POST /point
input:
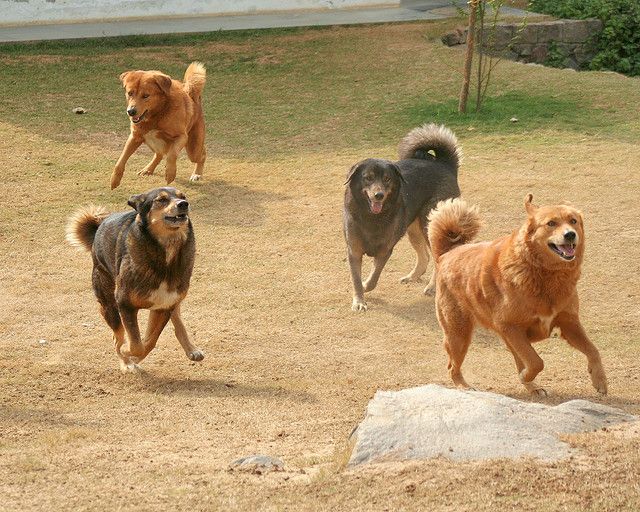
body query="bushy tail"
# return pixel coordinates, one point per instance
(83, 224)
(194, 79)
(431, 137)
(451, 223)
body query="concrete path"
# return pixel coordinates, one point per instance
(413, 10)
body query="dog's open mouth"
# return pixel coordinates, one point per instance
(375, 206)
(137, 119)
(176, 219)
(566, 251)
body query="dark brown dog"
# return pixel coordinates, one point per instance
(520, 286)
(166, 115)
(142, 259)
(384, 199)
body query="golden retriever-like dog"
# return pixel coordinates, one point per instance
(166, 115)
(521, 286)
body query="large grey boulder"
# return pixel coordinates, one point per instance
(431, 421)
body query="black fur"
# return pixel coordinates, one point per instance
(413, 188)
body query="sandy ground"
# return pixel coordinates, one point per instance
(289, 367)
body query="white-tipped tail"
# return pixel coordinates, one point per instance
(431, 137)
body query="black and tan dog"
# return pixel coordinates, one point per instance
(385, 199)
(142, 259)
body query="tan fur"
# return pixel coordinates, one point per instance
(516, 286)
(82, 225)
(169, 118)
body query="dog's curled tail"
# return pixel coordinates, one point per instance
(194, 79)
(451, 223)
(83, 224)
(431, 137)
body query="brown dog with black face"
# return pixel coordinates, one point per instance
(521, 286)
(142, 259)
(166, 115)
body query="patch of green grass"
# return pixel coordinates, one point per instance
(532, 112)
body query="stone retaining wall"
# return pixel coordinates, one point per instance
(565, 43)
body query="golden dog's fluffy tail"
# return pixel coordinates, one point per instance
(83, 224)
(431, 137)
(451, 223)
(194, 79)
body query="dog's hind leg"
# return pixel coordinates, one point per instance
(193, 352)
(571, 330)
(151, 166)
(196, 151)
(379, 261)
(420, 245)
(457, 327)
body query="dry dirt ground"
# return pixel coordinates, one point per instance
(289, 367)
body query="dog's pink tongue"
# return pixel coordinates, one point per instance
(376, 207)
(568, 250)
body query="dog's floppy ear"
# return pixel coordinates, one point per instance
(397, 169)
(528, 205)
(123, 77)
(352, 172)
(164, 82)
(136, 201)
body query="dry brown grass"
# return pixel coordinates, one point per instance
(289, 368)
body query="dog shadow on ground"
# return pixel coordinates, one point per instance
(211, 387)
(419, 310)
(223, 203)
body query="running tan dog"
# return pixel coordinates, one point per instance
(521, 286)
(166, 115)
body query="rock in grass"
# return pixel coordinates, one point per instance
(257, 464)
(434, 421)
(79, 110)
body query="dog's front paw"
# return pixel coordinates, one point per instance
(129, 367)
(359, 305)
(430, 291)
(598, 379)
(195, 177)
(196, 355)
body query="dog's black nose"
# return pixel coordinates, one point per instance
(182, 205)
(570, 236)
(132, 111)
(379, 195)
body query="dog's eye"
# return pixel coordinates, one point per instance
(552, 223)
(386, 179)
(162, 200)
(130, 93)
(145, 96)
(573, 221)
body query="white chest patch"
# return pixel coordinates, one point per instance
(154, 141)
(162, 298)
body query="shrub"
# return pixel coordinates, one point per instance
(619, 41)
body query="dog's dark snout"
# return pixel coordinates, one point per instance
(379, 195)
(182, 205)
(132, 111)
(570, 236)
